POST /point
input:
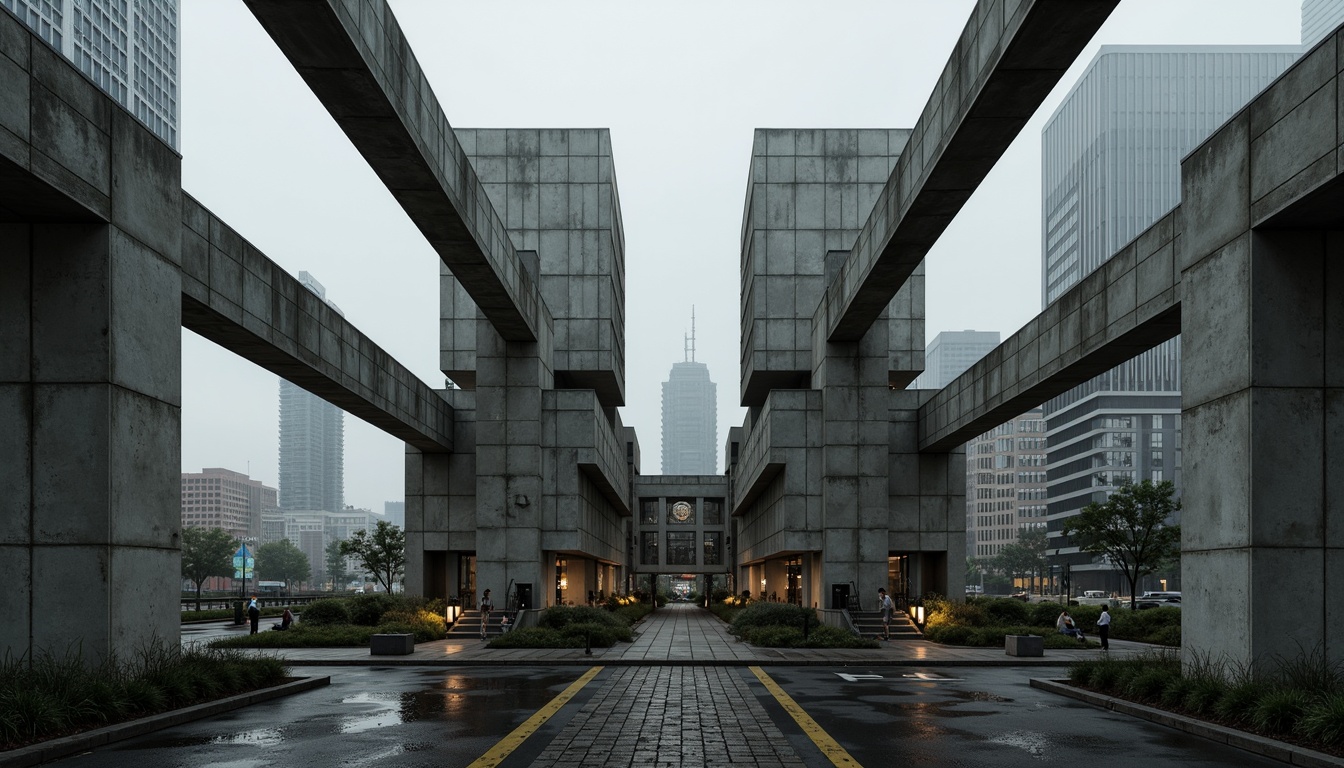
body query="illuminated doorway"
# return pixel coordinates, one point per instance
(898, 580)
(793, 580)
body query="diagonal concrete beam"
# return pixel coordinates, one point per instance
(235, 296)
(1010, 56)
(354, 57)
(1130, 304)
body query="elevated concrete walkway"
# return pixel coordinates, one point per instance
(680, 634)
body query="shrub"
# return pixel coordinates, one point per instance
(1003, 610)
(1239, 700)
(368, 610)
(535, 637)
(943, 613)
(1277, 711)
(772, 615)
(301, 635)
(424, 625)
(1173, 695)
(562, 616)
(1156, 625)
(1147, 683)
(326, 612)
(1204, 695)
(774, 636)
(1106, 677)
(632, 613)
(599, 635)
(1081, 672)
(1324, 720)
(947, 634)
(1045, 614)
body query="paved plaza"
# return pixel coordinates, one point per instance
(685, 693)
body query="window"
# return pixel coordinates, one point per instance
(648, 550)
(713, 509)
(648, 511)
(681, 548)
(713, 547)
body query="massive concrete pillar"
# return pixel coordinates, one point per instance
(90, 404)
(1263, 404)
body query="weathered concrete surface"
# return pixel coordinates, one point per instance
(235, 296)
(1132, 303)
(1009, 57)
(1263, 389)
(556, 191)
(90, 363)
(358, 63)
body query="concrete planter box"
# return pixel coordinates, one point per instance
(391, 645)
(1024, 645)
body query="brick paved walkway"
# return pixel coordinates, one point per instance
(671, 716)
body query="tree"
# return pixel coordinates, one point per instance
(381, 553)
(282, 561)
(336, 572)
(206, 552)
(1130, 529)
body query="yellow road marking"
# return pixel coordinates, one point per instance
(828, 746)
(505, 747)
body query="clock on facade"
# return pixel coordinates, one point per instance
(681, 511)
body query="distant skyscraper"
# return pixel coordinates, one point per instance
(1005, 484)
(395, 512)
(950, 354)
(1319, 18)
(690, 417)
(128, 49)
(1110, 167)
(312, 443)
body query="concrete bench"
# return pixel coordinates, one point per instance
(1024, 645)
(391, 645)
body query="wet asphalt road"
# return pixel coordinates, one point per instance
(406, 716)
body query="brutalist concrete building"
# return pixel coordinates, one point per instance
(524, 480)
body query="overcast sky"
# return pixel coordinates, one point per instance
(681, 86)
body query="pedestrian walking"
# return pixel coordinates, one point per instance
(487, 605)
(254, 613)
(887, 607)
(1104, 628)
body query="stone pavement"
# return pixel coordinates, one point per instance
(686, 634)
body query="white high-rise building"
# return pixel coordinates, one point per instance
(1110, 168)
(690, 417)
(312, 442)
(950, 354)
(128, 48)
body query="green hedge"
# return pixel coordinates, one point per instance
(57, 696)
(349, 621)
(992, 637)
(1161, 626)
(818, 636)
(1301, 698)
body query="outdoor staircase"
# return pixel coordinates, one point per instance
(469, 624)
(869, 624)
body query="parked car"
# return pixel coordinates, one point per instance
(1145, 603)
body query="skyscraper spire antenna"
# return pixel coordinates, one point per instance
(689, 342)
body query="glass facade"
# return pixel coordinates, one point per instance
(129, 49)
